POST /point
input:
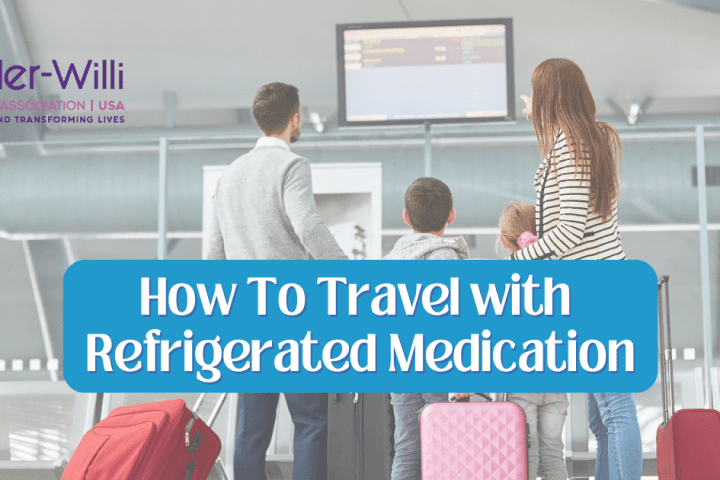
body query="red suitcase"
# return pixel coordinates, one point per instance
(150, 441)
(688, 442)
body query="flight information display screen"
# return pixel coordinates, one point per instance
(418, 72)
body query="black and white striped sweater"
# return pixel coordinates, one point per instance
(570, 229)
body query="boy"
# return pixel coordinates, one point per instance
(428, 210)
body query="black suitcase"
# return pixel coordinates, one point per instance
(360, 436)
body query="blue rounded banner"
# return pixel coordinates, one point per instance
(360, 326)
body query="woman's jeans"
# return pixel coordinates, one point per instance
(613, 420)
(406, 465)
(545, 414)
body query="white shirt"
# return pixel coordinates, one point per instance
(272, 142)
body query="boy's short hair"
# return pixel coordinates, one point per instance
(274, 105)
(428, 202)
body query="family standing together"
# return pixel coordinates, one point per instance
(265, 209)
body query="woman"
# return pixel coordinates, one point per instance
(576, 217)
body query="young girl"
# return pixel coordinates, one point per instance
(517, 224)
(545, 412)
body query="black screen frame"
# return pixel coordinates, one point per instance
(510, 72)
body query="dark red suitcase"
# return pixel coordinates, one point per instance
(150, 441)
(688, 442)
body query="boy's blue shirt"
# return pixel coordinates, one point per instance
(426, 246)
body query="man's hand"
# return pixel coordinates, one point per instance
(460, 396)
(527, 111)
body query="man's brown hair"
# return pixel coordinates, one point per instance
(274, 106)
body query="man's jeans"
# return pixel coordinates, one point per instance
(613, 420)
(545, 414)
(256, 419)
(406, 465)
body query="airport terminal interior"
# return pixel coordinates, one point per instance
(135, 189)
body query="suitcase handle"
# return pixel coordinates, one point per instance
(484, 395)
(336, 397)
(215, 411)
(665, 352)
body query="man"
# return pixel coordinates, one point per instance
(265, 209)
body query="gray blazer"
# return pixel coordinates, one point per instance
(265, 209)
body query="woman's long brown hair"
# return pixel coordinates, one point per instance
(561, 100)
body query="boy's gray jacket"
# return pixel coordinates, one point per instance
(426, 246)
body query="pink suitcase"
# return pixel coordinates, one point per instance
(473, 441)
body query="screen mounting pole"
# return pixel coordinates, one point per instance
(428, 150)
